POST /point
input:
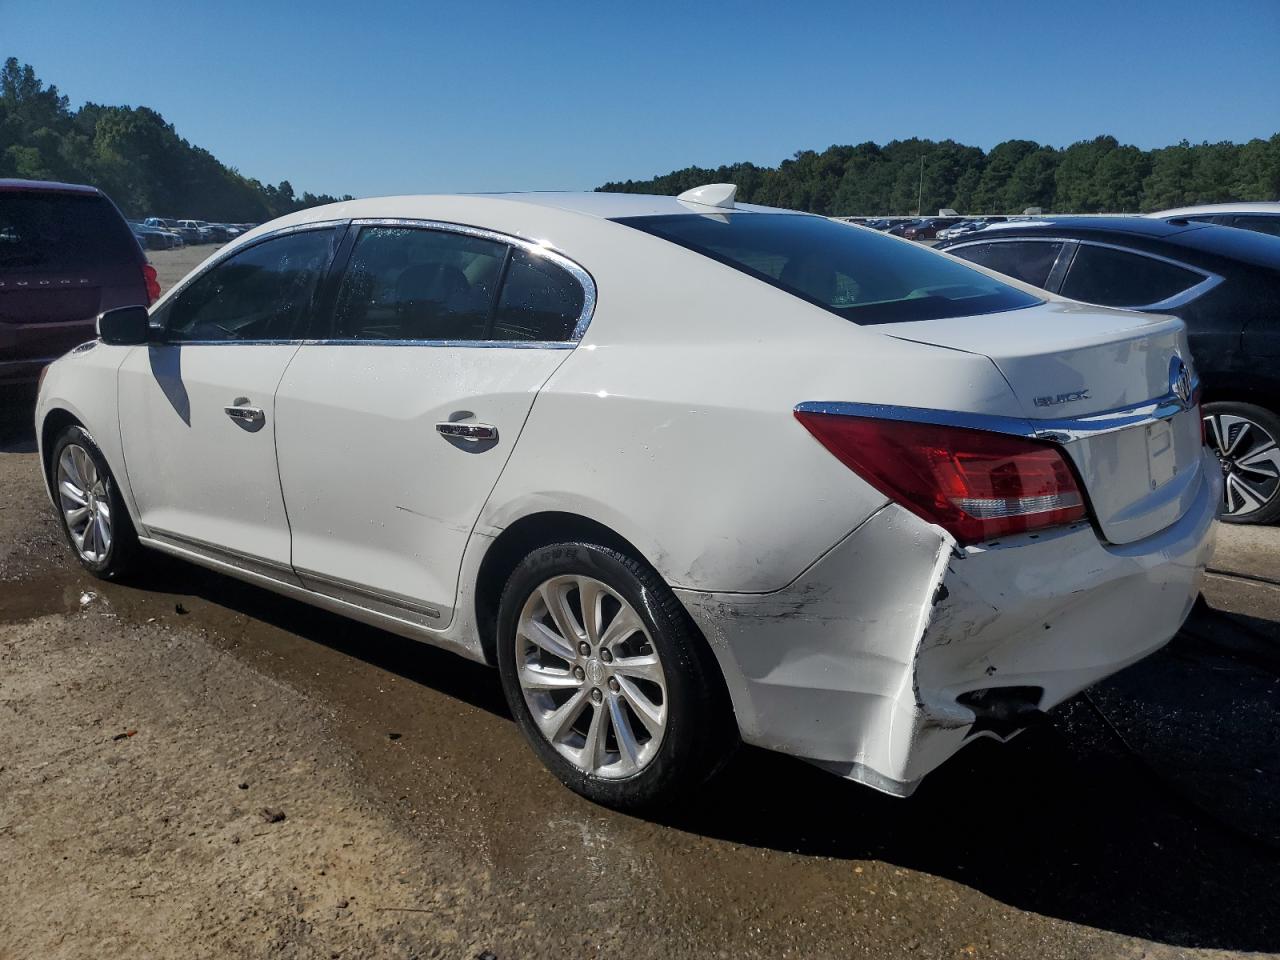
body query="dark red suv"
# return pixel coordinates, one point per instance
(66, 255)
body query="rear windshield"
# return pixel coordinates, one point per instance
(58, 231)
(857, 274)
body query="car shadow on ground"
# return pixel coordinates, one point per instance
(1110, 816)
(17, 427)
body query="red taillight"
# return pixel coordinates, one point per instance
(153, 284)
(975, 484)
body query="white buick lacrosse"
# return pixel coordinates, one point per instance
(688, 472)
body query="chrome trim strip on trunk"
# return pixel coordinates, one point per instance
(1061, 430)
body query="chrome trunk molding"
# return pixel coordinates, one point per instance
(1058, 430)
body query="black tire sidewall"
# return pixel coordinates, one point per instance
(695, 735)
(120, 554)
(1267, 420)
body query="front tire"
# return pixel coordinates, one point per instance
(1246, 439)
(94, 517)
(607, 678)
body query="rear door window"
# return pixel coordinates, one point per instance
(405, 283)
(1030, 261)
(1119, 278)
(265, 292)
(540, 301)
(62, 232)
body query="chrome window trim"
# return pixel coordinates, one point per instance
(578, 272)
(1058, 430)
(1056, 272)
(1073, 245)
(583, 278)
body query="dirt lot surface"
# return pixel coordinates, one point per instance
(191, 767)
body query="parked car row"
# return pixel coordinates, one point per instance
(199, 231)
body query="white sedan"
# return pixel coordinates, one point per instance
(688, 472)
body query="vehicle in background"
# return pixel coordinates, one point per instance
(961, 228)
(1261, 216)
(1223, 283)
(928, 228)
(408, 411)
(902, 226)
(66, 255)
(878, 223)
(190, 232)
(153, 238)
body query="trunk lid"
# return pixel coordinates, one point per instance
(1100, 382)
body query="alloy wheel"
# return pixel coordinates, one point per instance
(1250, 461)
(591, 676)
(83, 495)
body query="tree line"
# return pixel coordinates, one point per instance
(912, 176)
(131, 154)
(139, 160)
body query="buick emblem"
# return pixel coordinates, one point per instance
(1180, 380)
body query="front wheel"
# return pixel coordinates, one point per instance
(94, 517)
(608, 680)
(1246, 439)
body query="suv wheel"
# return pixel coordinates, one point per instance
(93, 515)
(1246, 439)
(607, 679)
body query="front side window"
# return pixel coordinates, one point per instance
(262, 293)
(861, 276)
(1027, 260)
(1118, 278)
(414, 284)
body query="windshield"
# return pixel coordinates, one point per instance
(857, 274)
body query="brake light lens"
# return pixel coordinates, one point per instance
(975, 484)
(153, 283)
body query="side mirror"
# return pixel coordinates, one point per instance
(124, 326)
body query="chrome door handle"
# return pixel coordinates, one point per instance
(249, 417)
(473, 432)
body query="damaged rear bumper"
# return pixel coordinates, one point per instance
(896, 647)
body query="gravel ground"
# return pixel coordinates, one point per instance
(193, 767)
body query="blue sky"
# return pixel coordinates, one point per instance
(373, 97)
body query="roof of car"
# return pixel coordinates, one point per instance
(1208, 209)
(45, 186)
(1140, 226)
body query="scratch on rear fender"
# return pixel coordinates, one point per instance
(935, 628)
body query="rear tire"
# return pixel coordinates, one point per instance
(1245, 438)
(629, 710)
(92, 512)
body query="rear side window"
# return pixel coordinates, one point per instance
(63, 232)
(425, 285)
(1258, 224)
(1027, 260)
(263, 293)
(861, 276)
(540, 300)
(412, 284)
(1118, 278)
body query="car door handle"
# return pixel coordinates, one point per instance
(250, 418)
(473, 432)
